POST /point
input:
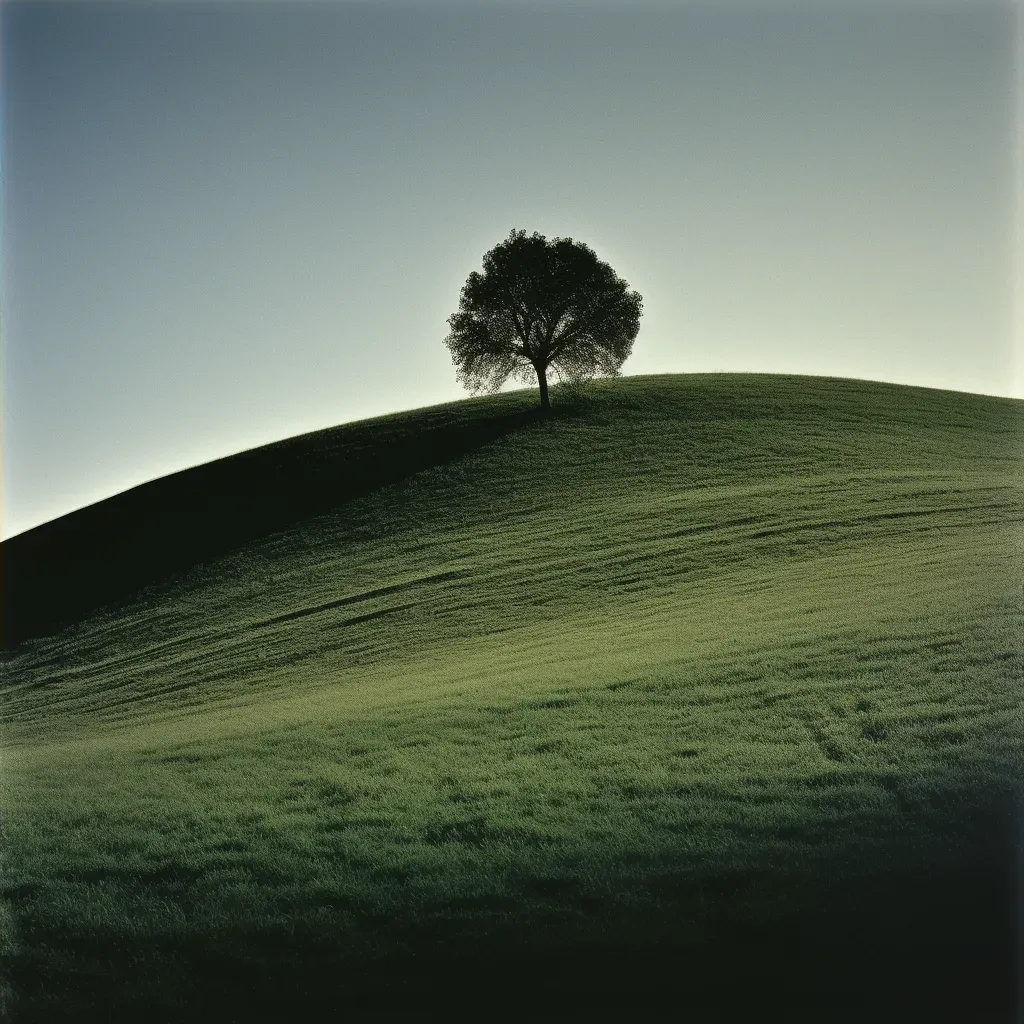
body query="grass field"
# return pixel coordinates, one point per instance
(706, 688)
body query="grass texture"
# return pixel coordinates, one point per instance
(706, 685)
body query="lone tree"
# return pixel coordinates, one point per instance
(542, 305)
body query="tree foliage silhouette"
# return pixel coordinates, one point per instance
(541, 306)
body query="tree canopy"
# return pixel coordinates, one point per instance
(538, 306)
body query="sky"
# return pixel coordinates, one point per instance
(229, 222)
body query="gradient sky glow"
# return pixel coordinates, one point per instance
(228, 223)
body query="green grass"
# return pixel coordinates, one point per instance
(706, 676)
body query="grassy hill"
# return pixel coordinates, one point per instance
(706, 688)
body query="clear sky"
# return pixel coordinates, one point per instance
(226, 223)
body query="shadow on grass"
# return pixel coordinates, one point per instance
(937, 943)
(61, 571)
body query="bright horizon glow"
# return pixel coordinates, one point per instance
(227, 224)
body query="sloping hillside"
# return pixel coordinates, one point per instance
(65, 569)
(713, 670)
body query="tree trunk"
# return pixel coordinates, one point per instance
(542, 376)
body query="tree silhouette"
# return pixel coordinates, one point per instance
(541, 305)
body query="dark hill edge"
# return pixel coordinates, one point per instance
(60, 571)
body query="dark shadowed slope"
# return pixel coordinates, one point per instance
(67, 568)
